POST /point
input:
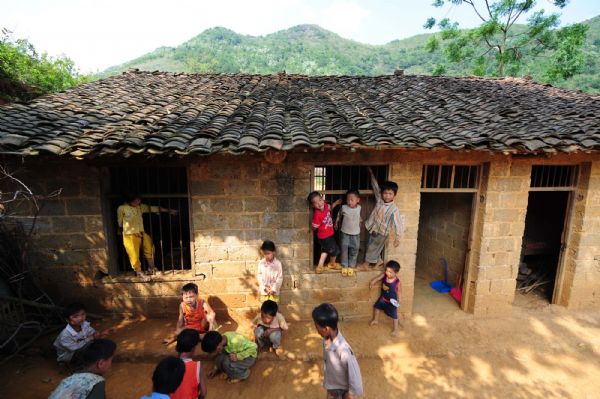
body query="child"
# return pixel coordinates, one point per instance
(75, 336)
(350, 231)
(270, 274)
(390, 294)
(88, 384)
(193, 385)
(385, 217)
(166, 378)
(342, 374)
(235, 354)
(131, 225)
(269, 326)
(323, 223)
(194, 313)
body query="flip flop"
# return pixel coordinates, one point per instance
(350, 272)
(345, 271)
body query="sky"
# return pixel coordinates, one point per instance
(98, 34)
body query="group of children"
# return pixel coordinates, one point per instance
(182, 378)
(384, 219)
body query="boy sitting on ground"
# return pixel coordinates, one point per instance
(75, 336)
(322, 222)
(194, 313)
(235, 354)
(89, 383)
(269, 326)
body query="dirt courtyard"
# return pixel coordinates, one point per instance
(541, 351)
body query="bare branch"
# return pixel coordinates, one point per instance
(470, 2)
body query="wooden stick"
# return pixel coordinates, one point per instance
(42, 305)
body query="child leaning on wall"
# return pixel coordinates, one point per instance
(270, 273)
(322, 222)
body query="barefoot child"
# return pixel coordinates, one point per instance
(235, 354)
(75, 336)
(384, 218)
(194, 313)
(342, 374)
(322, 222)
(270, 273)
(390, 294)
(89, 383)
(193, 385)
(269, 326)
(350, 232)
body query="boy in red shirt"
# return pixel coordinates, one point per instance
(322, 222)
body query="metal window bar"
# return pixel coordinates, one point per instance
(166, 188)
(449, 178)
(553, 177)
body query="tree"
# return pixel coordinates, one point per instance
(499, 45)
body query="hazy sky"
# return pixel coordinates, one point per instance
(100, 33)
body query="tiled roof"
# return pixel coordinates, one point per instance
(156, 113)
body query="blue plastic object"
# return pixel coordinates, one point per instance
(442, 286)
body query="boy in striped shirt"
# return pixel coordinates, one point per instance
(384, 218)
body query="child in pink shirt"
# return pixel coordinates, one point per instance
(270, 273)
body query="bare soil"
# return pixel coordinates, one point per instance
(541, 351)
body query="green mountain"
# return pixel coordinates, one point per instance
(312, 50)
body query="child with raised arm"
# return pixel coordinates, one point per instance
(269, 325)
(350, 232)
(384, 218)
(322, 222)
(391, 292)
(194, 313)
(235, 354)
(77, 334)
(193, 385)
(342, 374)
(270, 273)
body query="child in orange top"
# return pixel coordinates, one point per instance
(193, 385)
(194, 313)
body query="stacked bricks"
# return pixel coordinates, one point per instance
(445, 220)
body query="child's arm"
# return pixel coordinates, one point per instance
(355, 386)
(180, 321)
(260, 276)
(210, 316)
(376, 279)
(375, 186)
(316, 220)
(279, 280)
(398, 227)
(201, 382)
(399, 290)
(336, 203)
(120, 216)
(338, 219)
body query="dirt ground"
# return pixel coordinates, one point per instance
(541, 351)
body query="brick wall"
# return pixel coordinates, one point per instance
(444, 222)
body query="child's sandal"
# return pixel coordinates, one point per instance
(350, 272)
(345, 271)
(319, 269)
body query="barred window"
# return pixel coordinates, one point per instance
(450, 178)
(554, 176)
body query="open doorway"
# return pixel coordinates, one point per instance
(445, 220)
(544, 236)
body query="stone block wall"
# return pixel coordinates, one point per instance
(444, 223)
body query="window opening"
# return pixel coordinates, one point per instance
(450, 178)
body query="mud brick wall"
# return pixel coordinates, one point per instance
(444, 223)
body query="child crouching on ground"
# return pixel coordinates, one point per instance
(193, 385)
(350, 232)
(270, 273)
(391, 291)
(75, 336)
(194, 313)
(235, 354)
(269, 326)
(322, 222)
(342, 374)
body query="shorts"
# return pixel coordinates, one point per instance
(389, 309)
(336, 393)
(329, 245)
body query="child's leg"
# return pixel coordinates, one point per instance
(258, 335)
(321, 266)
(275, 339)
(148, 248)
(132, 243)
(375, 318)
(395, 329)
(345, 247)
(354, 244)
(239, 370)
(374, 248)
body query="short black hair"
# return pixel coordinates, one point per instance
(129, 197)
(98, 349)
(389, 185)
(71, 309)
(187, 340)
(353, 191)
(268, 246)
(190, 287)
(168, 375)
(395, 266)
(325, 315)
(311, 196)
(211, 340)
(269, 307)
